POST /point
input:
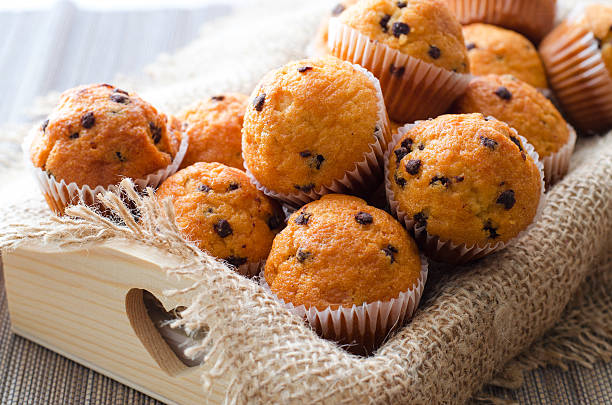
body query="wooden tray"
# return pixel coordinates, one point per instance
(88, 306)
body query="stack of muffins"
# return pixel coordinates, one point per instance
(407, 136)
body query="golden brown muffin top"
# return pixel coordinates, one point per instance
(424, 29)
(222, 212)
(340, 251)
(495, 50)
(214, 127)
(308, 123)
(597, 18)
(521, 106)
(99, 134)
(465, 178)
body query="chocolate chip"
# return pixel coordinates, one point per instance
(156, 132)
(407, 143)
(470, 46)
(517, 142)
(488, 142)
(218, 98)
(303, 218)
(413, 166)
(459, 179)
(400, 181)
(338, 9)
(275, 222)
(400, 28)
(421, 146)
(302, 255)
(440, 179)
(400, 153)
(318, 161)
(363, 218)
(120, 157)
(598, 42)
(88, 120)
(506, 198)
(503, 93)
(235, 261)
(117, 90)
(523, 156)
(44, 125)
(488, 227)
(304, 69)
(307, 188)
(74, 135)
(223, 228)
(401, 4)
(384, 21)
(434, 52)
(305, 153)
(233, 186)
(397, 71)
(420, 219)
(119, 98)
(204, 188)
(258, 102)
(390, 251)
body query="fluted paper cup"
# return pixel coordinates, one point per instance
(557, 164)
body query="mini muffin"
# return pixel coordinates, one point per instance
(467, 181)
(577, 56)
(96, 136)
(532, 18)
(318, 46)
(315, 126)
(214, 128)
(415, 48)
(529, 112)
(337, 253)
(495, 50)
(223, 213)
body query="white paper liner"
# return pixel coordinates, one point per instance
(578, 75)
(443, 250)
(557, 164)
(422, 91)
(59, 194)
(365, 174)
(532, 18)
(362, 328)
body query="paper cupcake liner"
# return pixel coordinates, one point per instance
(557, 164)
(361, 329)
(533, 18)
(365, 174)
(578, 75)
(60, 194)
(420, 90)
(444, 250)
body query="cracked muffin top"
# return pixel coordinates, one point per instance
(308, 123)
(99, 134)
(466, 178)
(519, 105)
(340, 251)
(222, 212)
(214, 128)
(495, 50)
(424, 29)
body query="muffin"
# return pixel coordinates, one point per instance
(315, 126)
(577, 56)
(214, 128)
(96, 136)
(416, 50)
(529, 112)
(532, 18)
(219, 210)
(495, 50)
(318, 46)
(338, 254)
(465, 184)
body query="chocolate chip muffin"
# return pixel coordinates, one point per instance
(495, 50)
(464, 179)
(223, 213)
(99, 134)
(312, 123)
(214, 128)
(523, 108)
